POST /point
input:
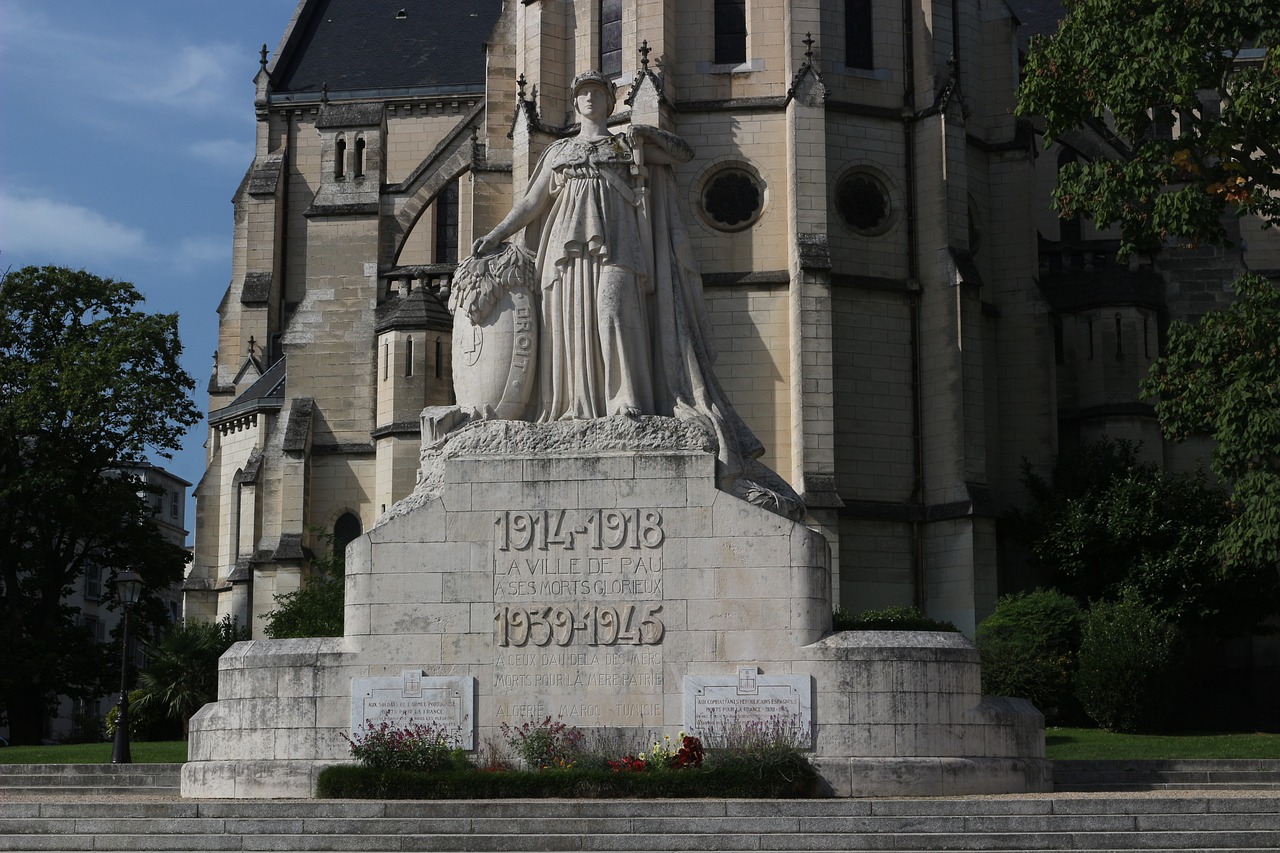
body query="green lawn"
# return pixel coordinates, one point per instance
(1095, 744)
(158, 752)
(1060, 743)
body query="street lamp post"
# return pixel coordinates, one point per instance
(128, 588)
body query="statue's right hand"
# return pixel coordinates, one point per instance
(485, 245)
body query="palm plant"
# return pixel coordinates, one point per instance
(182, 675)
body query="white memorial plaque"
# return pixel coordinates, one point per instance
(783, 704)
(412, 696)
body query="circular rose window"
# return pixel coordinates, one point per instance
(863, 203)
(732, 199)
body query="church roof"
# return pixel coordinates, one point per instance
(383, 46)
(267, 392)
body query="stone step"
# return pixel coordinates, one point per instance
(1025, 824)
(1244, 774)
(33, 777)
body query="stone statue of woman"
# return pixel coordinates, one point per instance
(623, 327)
(594, 261)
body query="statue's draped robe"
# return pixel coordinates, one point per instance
(624, 325)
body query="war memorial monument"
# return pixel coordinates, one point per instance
(592, 537)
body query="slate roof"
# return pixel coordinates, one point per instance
(419, 310)
(365, 46)
(267, 392)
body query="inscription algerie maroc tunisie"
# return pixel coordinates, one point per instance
(578, 615)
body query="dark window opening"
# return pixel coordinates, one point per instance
(732, 198)
(408, 357)
(611, 38)
(439, 359)
(862, 202)
(359, 159)
(731, 32)
(446, 251)
(340, 158)
(858, 52)
(345, 531)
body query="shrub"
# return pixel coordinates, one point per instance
(316, 609)
(147, 721)
(1130, 660)
(1029, 647)
(347, 781)
(899, 618)
(182, 676)
(545, 743)
(405, 746)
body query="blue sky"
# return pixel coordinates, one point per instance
(125, 127)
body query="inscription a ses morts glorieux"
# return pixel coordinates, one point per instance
(578, 615)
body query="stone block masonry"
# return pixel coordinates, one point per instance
(595, 586)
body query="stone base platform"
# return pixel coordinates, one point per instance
(610, 589)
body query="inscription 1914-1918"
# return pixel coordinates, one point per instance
(593, 530)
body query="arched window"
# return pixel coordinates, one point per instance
(359, 160)
(345, 531)
(611, 38)
(340, 158)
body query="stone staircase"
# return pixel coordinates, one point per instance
(136, 780)
(1218, 822)
(1239, 775)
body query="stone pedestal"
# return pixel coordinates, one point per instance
(572, 579)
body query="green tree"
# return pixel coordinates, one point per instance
(89, 385)
(182, 674)
(1189, 92)
(315, 610)
(1220, 377)
(1111, 526)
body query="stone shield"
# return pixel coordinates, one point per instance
(495, 359)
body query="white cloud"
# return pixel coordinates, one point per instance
(194, 77)
(229, 153)
(145, 70)
(55, 232)
(193, 253)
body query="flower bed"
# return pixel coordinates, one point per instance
(547, 758)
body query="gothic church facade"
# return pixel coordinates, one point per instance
(864, 205)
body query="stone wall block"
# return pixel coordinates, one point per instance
(466, 587)
(419, 587)
(420, 525)
(484, 470)
(615, 466)
(678, 466)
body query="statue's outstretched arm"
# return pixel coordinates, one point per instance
(661, 146)
(524, 212)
